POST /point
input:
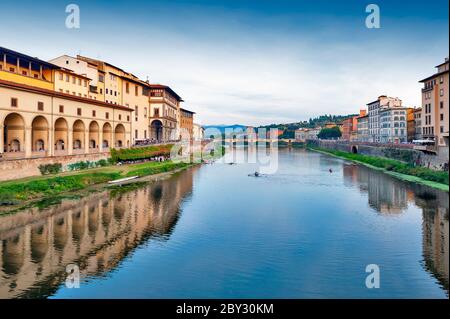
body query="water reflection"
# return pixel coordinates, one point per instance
(96, 233)
(388, 195)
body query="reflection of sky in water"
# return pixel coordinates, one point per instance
(302, 232)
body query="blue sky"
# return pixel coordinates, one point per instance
(248, 62)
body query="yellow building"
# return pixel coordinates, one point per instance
(46, 110)
(435, 106)
(187, 122)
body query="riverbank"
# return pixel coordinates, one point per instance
(17, 194)
(403, 171)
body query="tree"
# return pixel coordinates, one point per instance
(330, 133)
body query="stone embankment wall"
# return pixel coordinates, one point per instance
(404, 153)
(21, 168)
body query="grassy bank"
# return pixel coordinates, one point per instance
(422, 175)
(13, 193)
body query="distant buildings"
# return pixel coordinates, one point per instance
(198, 132)
(418, 123)
(362, 131)
(303, 134)
(393, 125)
(374, 108)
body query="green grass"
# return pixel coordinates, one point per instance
(13, 193)
(22, 191)
(155, 168)
(437, 179)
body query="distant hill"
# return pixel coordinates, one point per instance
(289, 129)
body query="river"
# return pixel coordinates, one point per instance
(214, 232)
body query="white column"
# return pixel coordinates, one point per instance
(1, 139)
(100, 142)
(70, 141)
(28, 142)
(86, 141)
(51, 141)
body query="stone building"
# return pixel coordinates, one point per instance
(374, 109)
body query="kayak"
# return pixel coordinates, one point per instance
(123, 180)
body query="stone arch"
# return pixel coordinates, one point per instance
(39, 134)
(156, 130)
(107, 135)
(61, 134)
(14, 133)
(93, 135)
(355, 149)
(119, 135)
(78, 132)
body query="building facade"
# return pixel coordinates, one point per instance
(187, 122)
(393, 125)
(362, 131)
(42, 114)
(374, 109)
(435, 106)
(303, 134)
(418, 123)
(165, 113)
(199, 132)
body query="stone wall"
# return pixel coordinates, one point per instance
(21, 168)
(404, 153)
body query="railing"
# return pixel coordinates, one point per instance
(35, 154)
(13, 155)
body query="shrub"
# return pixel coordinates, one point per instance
(140, 153)
(47, 169)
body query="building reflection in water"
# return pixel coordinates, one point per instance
(388, 195)
(96, 233)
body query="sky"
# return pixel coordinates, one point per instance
(248, 62)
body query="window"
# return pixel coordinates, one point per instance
(128, 118)
(136, 89)
(67, 78)
(61, 76)
(120, 117)
(79, 82)
(40, 106)
(101, 91)
(74, 80)
(107, 115)
(441, 80)
(61, 109)
(93, 113)
(136, 110)
(127, 88)
(14, 102)
(442, 129)
(106, 91)
(115, 93)
(85, 83)
(441, 92)
(441, 104)
(79, 111)
(136, 133)
(442, 117)
(101, 78)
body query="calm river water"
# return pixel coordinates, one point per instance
(215, 232)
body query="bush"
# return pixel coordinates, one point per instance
(87, 164)
(140, 153)
(47, 169)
